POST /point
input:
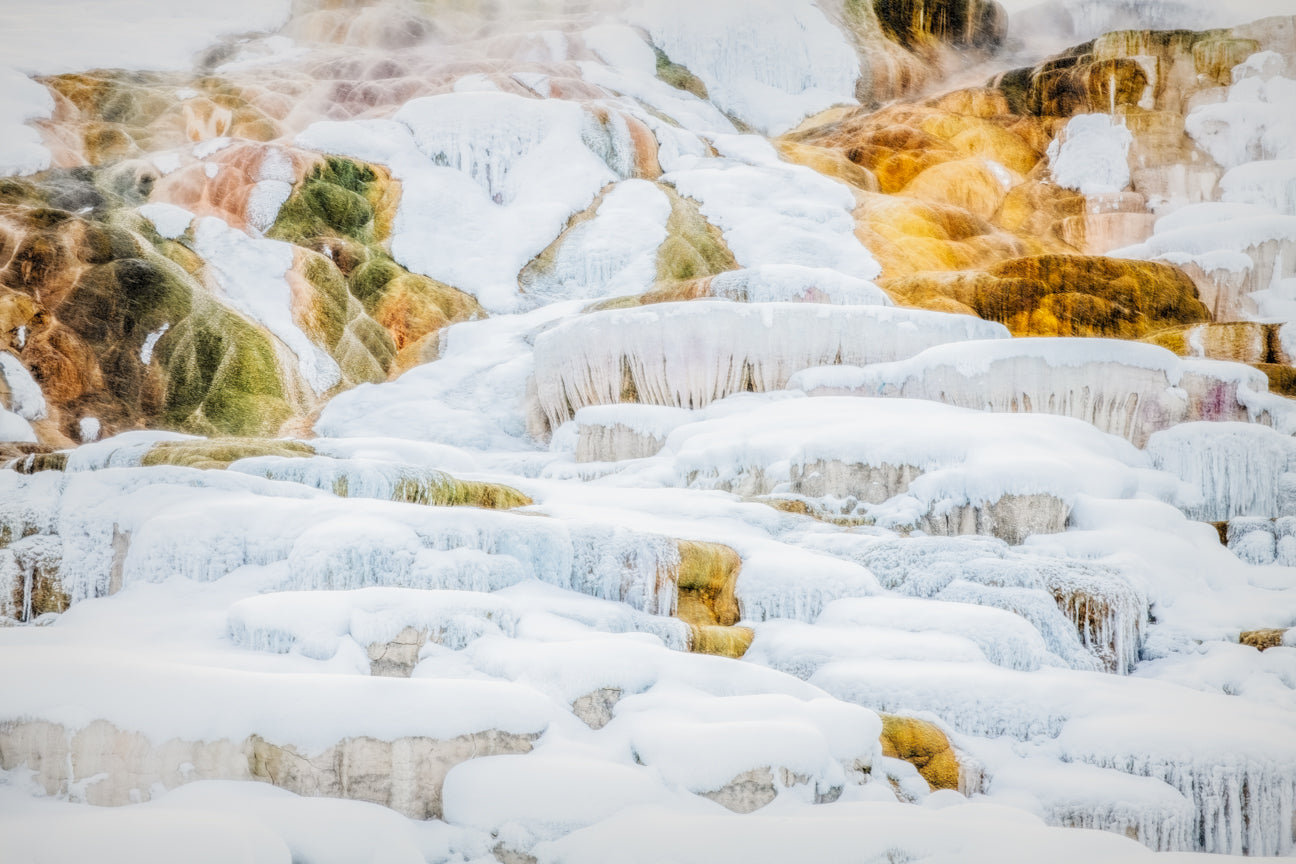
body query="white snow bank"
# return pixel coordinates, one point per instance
(977, 833)
(993, 454)
(163, 700)
(1126, 388)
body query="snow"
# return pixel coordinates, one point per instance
(1253, 124)
(150, 342)
(772, 212)
(25, 396)
(621, 47)
(612, 254)
(768, 63)
(279, 709)
(21, 100)
(274, 184)
(488, 180)
(169, 220)
(681, 107)
(250, 274)
(15, 428)
(790, 439)
(1268, 184)
(1091, 154)
(89, 428)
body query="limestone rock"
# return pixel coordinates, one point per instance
(1067, 295)
(117, 767)
(1264, 639)
(923, 745)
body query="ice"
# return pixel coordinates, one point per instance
(1089, 614)
(1243, 786)
(768, 63)
(250, 274)
(1267, 184)
(689, 354)
(630, 431)
(22, 99)
(1084, 796)
(125, 450)
(772, 212)
(1091, 154)
(612, 254)
(25, 397)
(1239, 255)
(800, 649)
(1237, 469)
(784, 582)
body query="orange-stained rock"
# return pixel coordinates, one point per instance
(969, 184)
(1065, 295)
(1263, 639)
(923, 745)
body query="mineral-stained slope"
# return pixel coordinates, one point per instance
(752, 430)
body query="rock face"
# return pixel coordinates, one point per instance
(1264, 639)
(961, 24)
(923, 745)
(1066, 295)
(115, 767)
